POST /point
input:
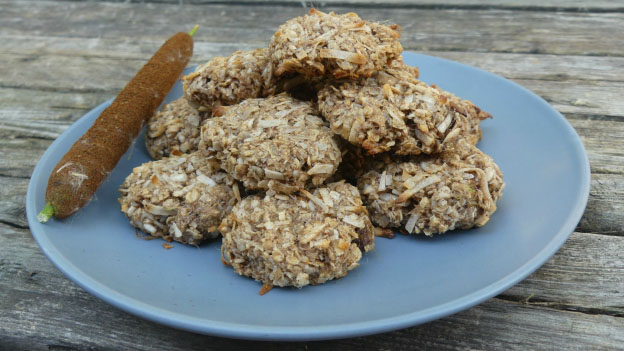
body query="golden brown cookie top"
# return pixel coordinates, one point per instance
(178, 198)
(456, 189)
(338, 46)
(174, 130)
(277, 143)
(394, 111)
(299, 239)
(229, 80)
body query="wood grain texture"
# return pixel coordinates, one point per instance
(423, 29)
(12, 196)
(604, 142)
(586, 275)
(61, 59)
(606, 200)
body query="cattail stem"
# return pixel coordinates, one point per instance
(79, 173)
(192, 31)
(46, 213)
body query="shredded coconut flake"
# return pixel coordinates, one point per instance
(202, 178)
(354, 220)
(411, 223)
(418, 187)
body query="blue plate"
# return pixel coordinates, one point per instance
(405, 282)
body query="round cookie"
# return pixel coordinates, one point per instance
(179, 198)
(338, 46)
(225, 81)
(305, 238)
(174, 130)
(394, 111)
(275, 143)
(457, 189)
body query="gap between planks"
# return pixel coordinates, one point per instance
(60, 90)
(606, 233)
(596, 117)
(616, 311)
(14, 225)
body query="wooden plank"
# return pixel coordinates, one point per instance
(122, 48)
(604, 142)
(541, 67)
(41, 309)
(495, 324)
(37, 122)
(44, 114)
(67, 74)
(12, 200)
(586, 274)
(22, 154)
(579, 97)
(605, 206)
(423, 29)
(513, 66)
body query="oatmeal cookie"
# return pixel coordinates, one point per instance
(180, 198)
(339, 46)
(394, 111)
(174, 130)
(457, 189)
(225, 81)
(275, 143)
(299, 239)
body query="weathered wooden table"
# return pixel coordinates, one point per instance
(60, 59)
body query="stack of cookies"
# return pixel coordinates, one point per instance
(300, 153)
